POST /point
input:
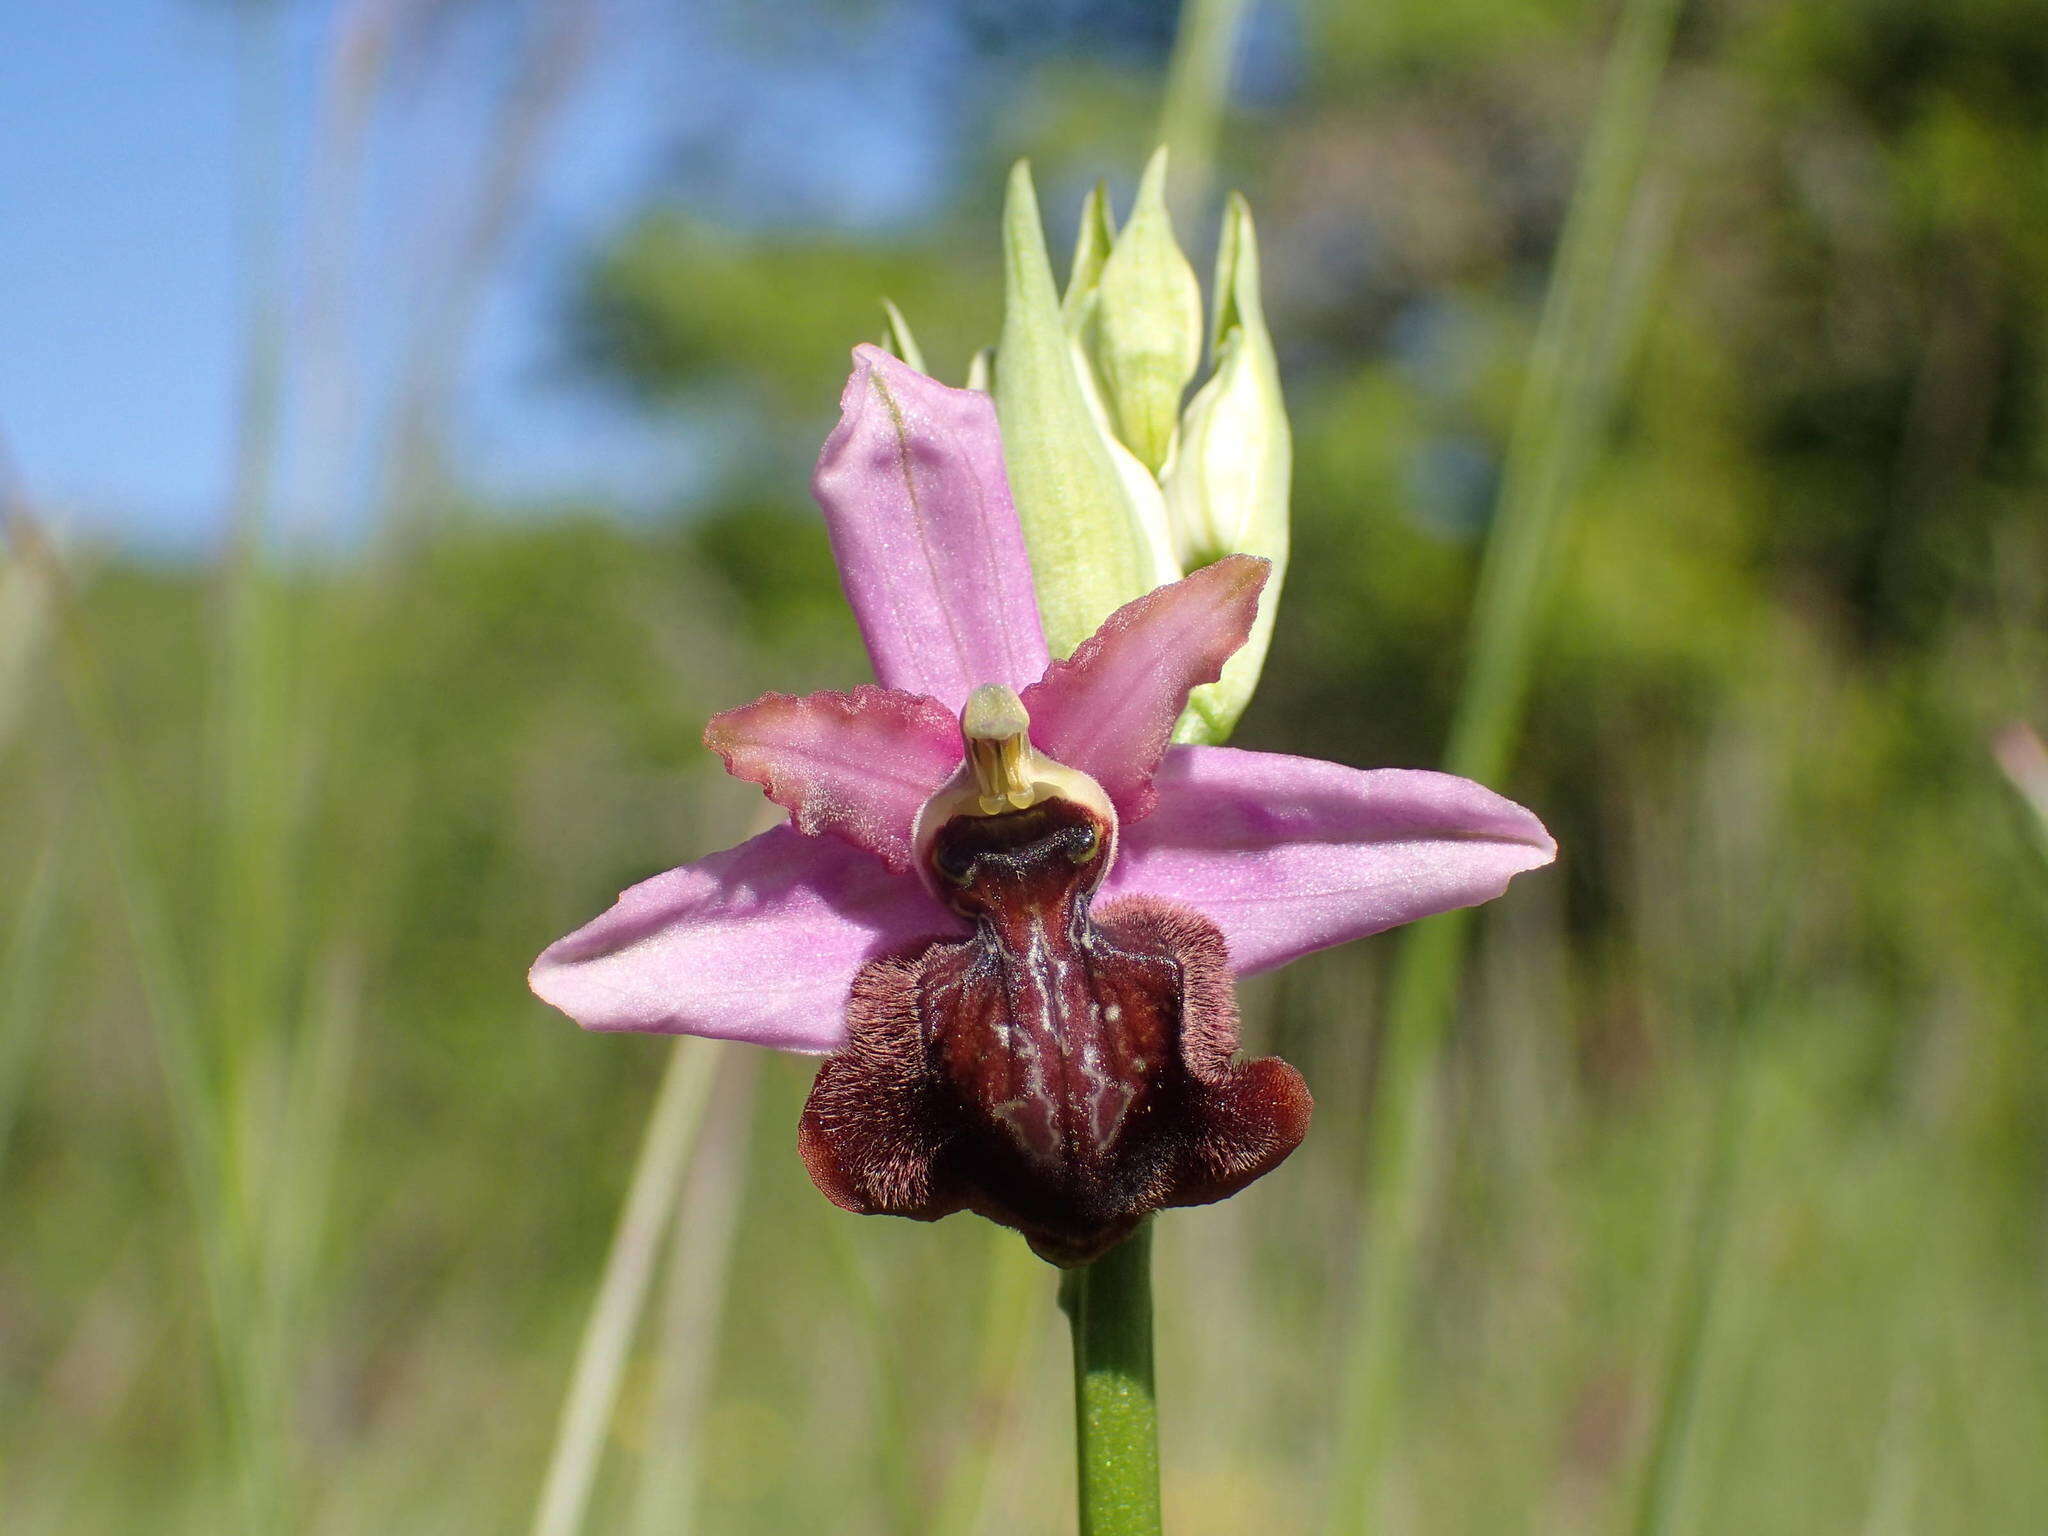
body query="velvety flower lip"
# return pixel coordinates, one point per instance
(1283, 855)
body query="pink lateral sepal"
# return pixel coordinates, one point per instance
(758, 943)
(1291, 854)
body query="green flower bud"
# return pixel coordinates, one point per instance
(1092, 244)
(1227, 484)
(1145, 334)
(1086, 552)
(1142, 494)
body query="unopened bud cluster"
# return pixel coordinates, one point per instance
(1123, 480)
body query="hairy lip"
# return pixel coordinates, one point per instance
(1063, 1072)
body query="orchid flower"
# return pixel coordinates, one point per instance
(1004, 903)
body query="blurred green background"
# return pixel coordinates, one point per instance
(1731, 1216)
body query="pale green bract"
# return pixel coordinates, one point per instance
(1226, 487)
(1086, 553)
(1079, 307)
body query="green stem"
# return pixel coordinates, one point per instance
(1116, 1414)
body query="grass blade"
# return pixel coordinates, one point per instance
(1589, 313)
(24, 981)
(622, 1293)
(699, 1262)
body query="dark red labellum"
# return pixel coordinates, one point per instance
(1063, 1072)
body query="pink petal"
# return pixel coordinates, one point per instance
(1289, 854)
(758, 943)
(857, 765)
(1109, 708)
(928, 543)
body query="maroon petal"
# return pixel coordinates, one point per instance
(1109, 709)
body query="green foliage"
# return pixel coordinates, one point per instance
(677, 303)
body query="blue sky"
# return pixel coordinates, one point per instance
(117, 270)
(161, 169)
(168, 179)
